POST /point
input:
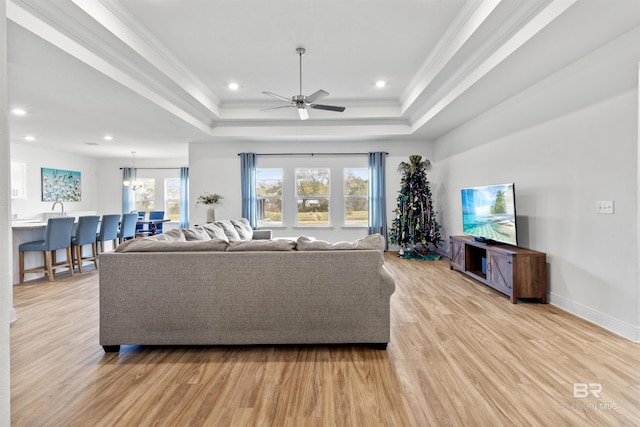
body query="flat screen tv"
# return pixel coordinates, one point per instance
(489, 213)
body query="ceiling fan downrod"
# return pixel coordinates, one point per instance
(300, 51)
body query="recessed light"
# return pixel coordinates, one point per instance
(381, 83)
(234, 86)
(107, 137)
(29, 138)
(18, 111)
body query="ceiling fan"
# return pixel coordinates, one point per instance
(302, 102)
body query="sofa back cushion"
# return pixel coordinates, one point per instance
(261, 245)
(170, 236)
(148, 245)
(371, 242)
(174, 235)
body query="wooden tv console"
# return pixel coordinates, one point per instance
(516, 272)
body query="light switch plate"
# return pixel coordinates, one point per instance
(604, 206)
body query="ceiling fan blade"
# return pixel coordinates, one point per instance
(277, 96)
(275, 108)
(316, 96)
(327, 107)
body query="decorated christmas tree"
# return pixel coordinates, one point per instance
(415, 227)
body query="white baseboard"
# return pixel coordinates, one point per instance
(12, 315)
(625, 330)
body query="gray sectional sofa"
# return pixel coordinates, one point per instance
(196, 287)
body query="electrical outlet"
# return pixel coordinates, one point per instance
(604, 206)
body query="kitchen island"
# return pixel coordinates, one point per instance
(29, 230)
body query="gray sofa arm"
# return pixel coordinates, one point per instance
(261, 234)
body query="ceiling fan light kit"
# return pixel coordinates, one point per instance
(303, 102)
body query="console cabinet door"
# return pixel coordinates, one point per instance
(500, 272)
(516, 272)
(457, 248)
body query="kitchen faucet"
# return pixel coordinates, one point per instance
(61, 205)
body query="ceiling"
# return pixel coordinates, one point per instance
(154, 74)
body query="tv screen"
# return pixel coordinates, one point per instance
(489, 213)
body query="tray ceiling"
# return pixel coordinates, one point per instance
(155, 74)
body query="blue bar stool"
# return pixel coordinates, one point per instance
(108, 230)
(127, 227)
(85, 235)
(56, 236)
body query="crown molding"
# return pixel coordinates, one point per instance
(520, 27)
(463, 27)
(115, 18)
(318, 129)
(61, 23)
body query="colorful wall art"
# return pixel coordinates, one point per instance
(61, 185)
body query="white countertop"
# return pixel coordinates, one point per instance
(22, 224)
(30, 223)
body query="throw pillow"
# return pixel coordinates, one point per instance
(195, 234)
(215, 231)
(243, 228)
(229, 230)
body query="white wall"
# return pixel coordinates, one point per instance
(637, 221)
(6, 290)
(35, 159)
(561, 166)
(215, 168)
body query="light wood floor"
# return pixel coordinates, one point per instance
(460, 354)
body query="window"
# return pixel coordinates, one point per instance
(312, 194)
(146, 195)
(172, 198)
(356, 196)
(269, 190)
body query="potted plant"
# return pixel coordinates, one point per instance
(209, 200)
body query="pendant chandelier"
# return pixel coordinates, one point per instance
(134, 184)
